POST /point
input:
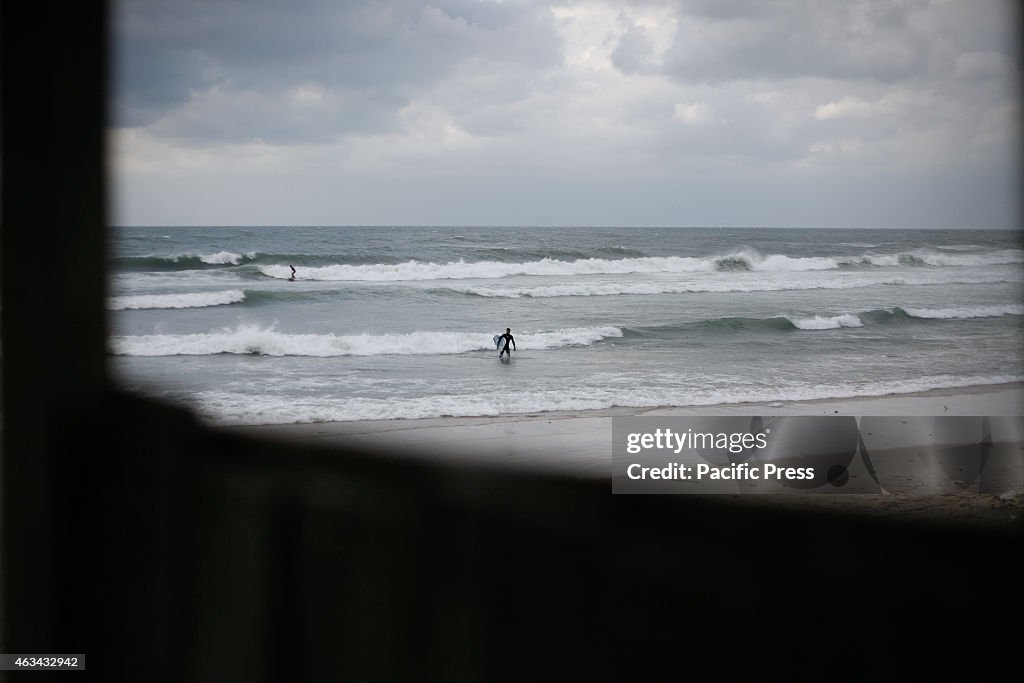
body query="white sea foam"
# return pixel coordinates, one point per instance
(966, 312)
(741, 259)
(459, 270)
(819, 322)
(931, 257)
(744, 259)
(268, 341)
(187, 300)
(749, 283)
(1002, 257)
(237, 408)
(878, 259)
(221, 258)
(960, 247)
(778, 262)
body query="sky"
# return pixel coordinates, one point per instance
(816, 113)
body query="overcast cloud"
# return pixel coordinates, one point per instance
(692, 112)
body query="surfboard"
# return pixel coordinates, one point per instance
(497, 345)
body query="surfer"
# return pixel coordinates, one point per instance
(508, 339)
(292, 278)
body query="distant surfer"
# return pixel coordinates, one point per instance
(508, 339)
(292, 278)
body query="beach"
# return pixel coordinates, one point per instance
(578, 444)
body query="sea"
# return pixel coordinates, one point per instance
(385, 323)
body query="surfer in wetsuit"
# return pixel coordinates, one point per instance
(507, 337)
(292, 278)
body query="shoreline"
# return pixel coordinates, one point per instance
(582, 436)
(983, 399)
(578, 444)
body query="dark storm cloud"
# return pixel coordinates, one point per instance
(569, 111)
(221, 71)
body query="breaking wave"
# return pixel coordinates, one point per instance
(833, 322)
(268, 341)
(927, 257)
(188, 300)
(747, 259)
(966, 312)
(185, 261)
(233, 408)
(758, 284)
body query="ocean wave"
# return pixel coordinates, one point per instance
(187, 300)
(928, 257)
(500, 263)
(733, 285)
(268, 341)
(966, 312)
(236, 408)
(223, 258)
(745, 259)
(739, 324)
(791, 322)
(184, 261)
(460, 270)
(751, 259)
(833, 322)
(960, 247)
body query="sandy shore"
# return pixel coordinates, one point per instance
(579, 444)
